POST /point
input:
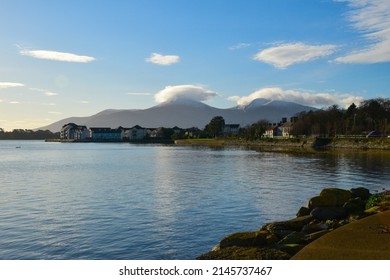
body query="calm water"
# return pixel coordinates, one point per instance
(122, 201)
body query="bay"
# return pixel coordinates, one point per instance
(123, 201)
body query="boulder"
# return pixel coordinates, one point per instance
(328, 213)
(313, 236)
(290, 225)
(315, 226)
(360, 192)
(245, 253)
(329, 198)
(245, 239)
(295, 237)
(290, 249)
(340, 195)
(322, 201)
(303, 211)
(354, 206)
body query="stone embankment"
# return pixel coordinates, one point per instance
(298, 144)
(331, 209)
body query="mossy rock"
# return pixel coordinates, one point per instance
(329, 213)
(360, 192)
(295, 237)
(322, 201)
(272, 238)
(355, 206)
(329, 197)
(245, 239)
(315, 226)
(315, 235)
(290, 249)
(303, 211)
(341, 195)
(290, 225)
(245, 253)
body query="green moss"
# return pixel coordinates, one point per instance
(373, 200)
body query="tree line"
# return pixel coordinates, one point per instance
(371, 115)
(27, 134)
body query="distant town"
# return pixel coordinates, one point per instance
(370, 119)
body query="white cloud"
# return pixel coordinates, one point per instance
(298, 96)
(239, 46)
(49, 93)
(4, 85)
(14, 102)
(160, 59)
(55, 113)
(191, 92)
(58, 56)
(372, 19)
(84, 102)
(139, 93)
(284, 55)
(44, 91)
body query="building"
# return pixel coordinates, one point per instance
(72, 131)
(231, 129)
(106, 134)
(136, 133)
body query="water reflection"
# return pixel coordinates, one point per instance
(115, 201)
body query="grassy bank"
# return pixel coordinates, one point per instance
(303, 144)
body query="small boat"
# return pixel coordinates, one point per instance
(18, 147)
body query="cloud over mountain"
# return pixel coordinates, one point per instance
(285, 55)
(189, 92)
(297, 96)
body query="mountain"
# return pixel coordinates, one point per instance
(187, 113)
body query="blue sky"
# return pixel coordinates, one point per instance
(75, 58)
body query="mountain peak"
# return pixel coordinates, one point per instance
(187, 112)
(182, 102)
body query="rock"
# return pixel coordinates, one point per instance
(315, 226)
(272, 238)
(329, 198)
(216, 247)
(303, 211)
(313, 236)
(340, 195)
(245, 239)
(360, 192)
(295, 237)
(293, 224)
(322, 201)
(328, 213)
(245, 253)
(373, 210)
(354, 206)
(333, 224)
(280, 234)
(290, 249)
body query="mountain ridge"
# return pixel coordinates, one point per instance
(186, 113)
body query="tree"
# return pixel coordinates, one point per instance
(256, 130)
(216, 126)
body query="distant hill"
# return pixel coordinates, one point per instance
(186, 113)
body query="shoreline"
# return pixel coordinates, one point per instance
(304, 144)
(333, 208)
